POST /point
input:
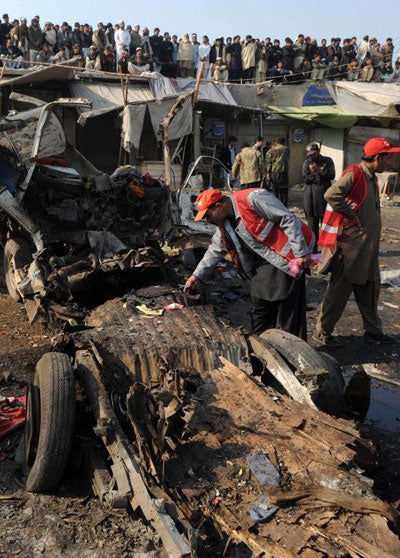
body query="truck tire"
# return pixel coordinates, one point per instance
(304, 358)
(17, 254)
(49, 421)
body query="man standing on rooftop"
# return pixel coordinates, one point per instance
(122, 39)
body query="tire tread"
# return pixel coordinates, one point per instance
(54, 377)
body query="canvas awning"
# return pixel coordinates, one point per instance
(337, 104)
(208, 90)
(330, 116)
(367, 99)
(133, 120)
(106, 97)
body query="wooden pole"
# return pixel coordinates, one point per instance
(196, 87)
(124, 91)
(164, 129)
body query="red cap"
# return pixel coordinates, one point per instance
(205, 200)
(375, 146)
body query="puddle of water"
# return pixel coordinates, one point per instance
(385, 405)
(372, 401)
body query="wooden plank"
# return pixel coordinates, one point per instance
(299, 419)
(281, 371)
(318, 494)
(374, 372)
(358, 547)
(258, 546)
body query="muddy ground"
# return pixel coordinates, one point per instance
(70, 522)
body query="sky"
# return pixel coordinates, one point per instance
(260, 18)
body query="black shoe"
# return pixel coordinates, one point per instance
(378, 338)
(327, 339)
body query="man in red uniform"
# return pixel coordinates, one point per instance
(351, 227)
(262, 237)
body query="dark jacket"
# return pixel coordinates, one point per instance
(275, 54)
(13, 51)
(165, 51)
(86, 37)
(107, 62)
(323, 52)
(5, 29)
(348, 54)
(236, 51)
(288, 55)
(325, 180)
(278, 75)
(76, 37)
(215, 52)
(225, 156)
(311, 50)
(35, 37)
(156, 42)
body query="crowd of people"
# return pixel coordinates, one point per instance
(132, 50)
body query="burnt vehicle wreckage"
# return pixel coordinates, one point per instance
(197, 426)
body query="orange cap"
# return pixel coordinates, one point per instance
(205, 200)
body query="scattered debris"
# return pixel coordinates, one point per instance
(391, 305)
(149, 311)
(391, 277)
(12, 413)
(263, 509)
(174, 306)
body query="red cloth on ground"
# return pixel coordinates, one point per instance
(12, 414)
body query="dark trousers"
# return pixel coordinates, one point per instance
(280, 186)
(249, 74)
(337, 295)
(313, 223)
(250, 185)
(235, 75)
(281, 193)
(288, 314)
(314, 207)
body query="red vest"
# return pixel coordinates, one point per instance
(356, 197)
(266, 232)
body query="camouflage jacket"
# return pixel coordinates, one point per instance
(277, 159)
(248, 166)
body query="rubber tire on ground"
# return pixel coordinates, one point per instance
(47, 451)
(302, 356)
(18, 250)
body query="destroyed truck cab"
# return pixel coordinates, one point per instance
(67, 227)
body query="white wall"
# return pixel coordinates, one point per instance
(359, 135)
